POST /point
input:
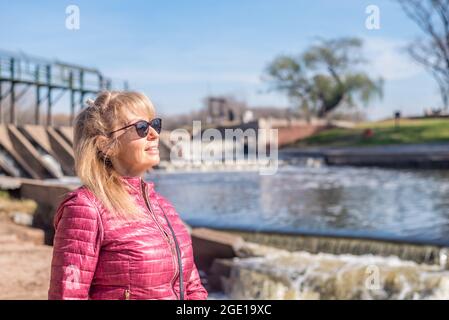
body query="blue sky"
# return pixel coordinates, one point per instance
(178, 52)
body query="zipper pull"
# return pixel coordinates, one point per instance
(168, 237)
(126, 294)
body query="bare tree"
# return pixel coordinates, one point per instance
(431, 50)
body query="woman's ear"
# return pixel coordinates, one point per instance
(102, 145)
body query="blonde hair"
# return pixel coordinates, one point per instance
(93, 163)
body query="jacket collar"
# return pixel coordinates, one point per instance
(135, 183)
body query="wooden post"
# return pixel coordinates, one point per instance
(72, 98)
(82, 93)
(38, 96)
(49, 95)
(12, 118)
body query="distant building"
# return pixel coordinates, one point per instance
(221, 110)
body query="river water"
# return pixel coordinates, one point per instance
(368, 202)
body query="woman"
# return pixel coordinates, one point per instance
(115, 236)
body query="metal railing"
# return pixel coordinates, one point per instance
(48, 77)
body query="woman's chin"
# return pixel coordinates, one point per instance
(154, 161)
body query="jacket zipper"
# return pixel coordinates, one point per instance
(167, 237)
(147, 202)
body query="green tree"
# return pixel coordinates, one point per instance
(324, 77)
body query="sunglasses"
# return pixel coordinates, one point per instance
(142, 127)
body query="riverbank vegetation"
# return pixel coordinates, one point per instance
(408, 131)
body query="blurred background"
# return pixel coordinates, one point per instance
(344, 105)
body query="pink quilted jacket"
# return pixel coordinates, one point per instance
(97, 256)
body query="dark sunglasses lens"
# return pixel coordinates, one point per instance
(142, 128)
(156, 124)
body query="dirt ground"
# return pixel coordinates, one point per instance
(24, 259)
(24, 270)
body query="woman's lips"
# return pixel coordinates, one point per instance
(152, 150)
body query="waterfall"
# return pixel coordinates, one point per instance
(420, 253)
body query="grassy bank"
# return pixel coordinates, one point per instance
(382, 133)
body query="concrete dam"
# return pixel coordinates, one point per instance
(36, 151)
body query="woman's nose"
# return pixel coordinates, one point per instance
(152, 134)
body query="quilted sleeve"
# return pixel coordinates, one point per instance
(75, 250)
